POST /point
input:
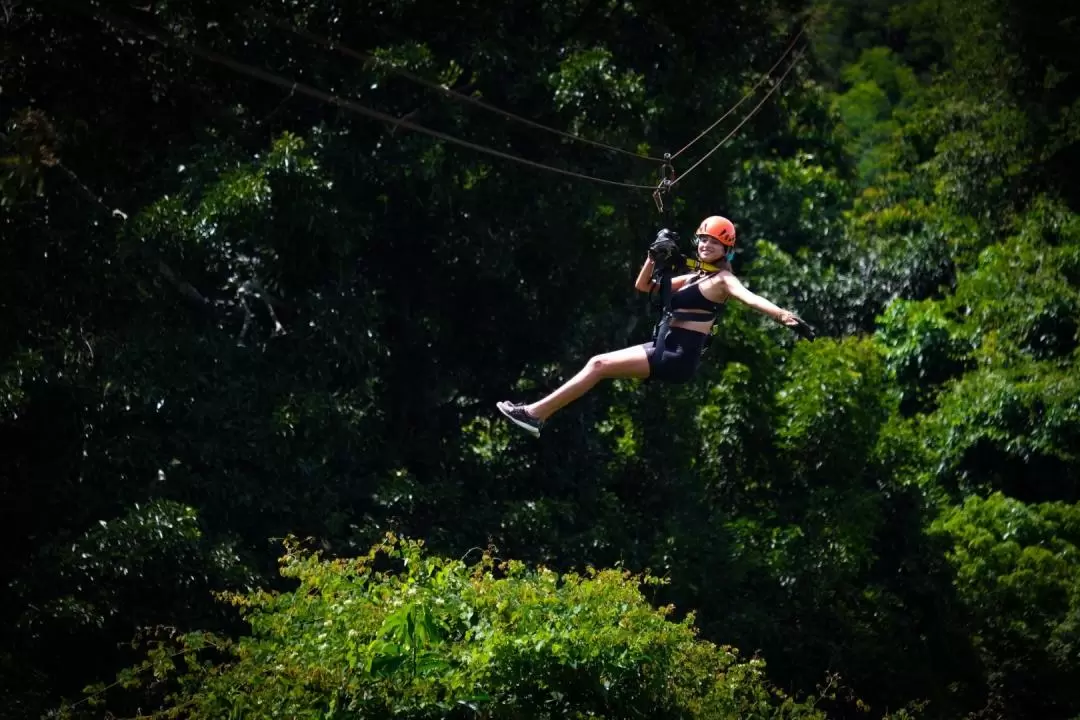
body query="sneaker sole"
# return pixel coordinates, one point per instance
(535, 432)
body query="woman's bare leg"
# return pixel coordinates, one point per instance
(631, 362)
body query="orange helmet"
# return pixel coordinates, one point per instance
(719, 228)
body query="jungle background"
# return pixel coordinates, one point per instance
(246, 334)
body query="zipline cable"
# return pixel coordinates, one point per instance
(745, 97)
(367, 57)
(296, 86)
(731, 134)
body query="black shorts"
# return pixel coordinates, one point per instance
(681, 356)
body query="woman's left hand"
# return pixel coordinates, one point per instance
(787, 318)
(794, 321)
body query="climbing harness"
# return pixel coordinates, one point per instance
(662, 266)
(716, 227)
(662, 279)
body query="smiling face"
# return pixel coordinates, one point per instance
(709, 249)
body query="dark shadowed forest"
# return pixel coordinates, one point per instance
(255, 318)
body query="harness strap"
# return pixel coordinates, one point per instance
(695, 264)
(693, 316)
(662, 276)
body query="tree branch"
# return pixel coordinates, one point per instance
(182, 286)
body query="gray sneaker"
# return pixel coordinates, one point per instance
(518, 415)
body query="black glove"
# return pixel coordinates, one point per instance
(665, 248)
(803, 329)
(666, 234)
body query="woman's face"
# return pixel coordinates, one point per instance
(710, 249)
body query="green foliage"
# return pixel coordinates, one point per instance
(402, 633)
(830, 414)
(871, 111)
(834, 402)
(121, 570)
(795, 203)
(993, 364)
(297, 320)
(1018, 301)
(842, 31)
(587, 75)
(982, 158)
(1018, 576)
(921, 350)
(29, 145)
(244, 228)
(732, 422)
(1012, 429)
(1023, 295)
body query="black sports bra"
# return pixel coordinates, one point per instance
(689, 297)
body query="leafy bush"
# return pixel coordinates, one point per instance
(1018, 575)
(398, 633)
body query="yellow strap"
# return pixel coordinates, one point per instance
(699, 265)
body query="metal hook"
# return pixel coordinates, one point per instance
(658, 196)
(667, 180)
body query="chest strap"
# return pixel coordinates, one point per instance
(693, 316)
(695, 264)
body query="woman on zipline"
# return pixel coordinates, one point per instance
(672, 356)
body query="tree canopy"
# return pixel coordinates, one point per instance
(235, 314)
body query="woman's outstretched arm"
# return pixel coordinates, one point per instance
(741, 293)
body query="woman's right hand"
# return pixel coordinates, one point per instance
(664, 247)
